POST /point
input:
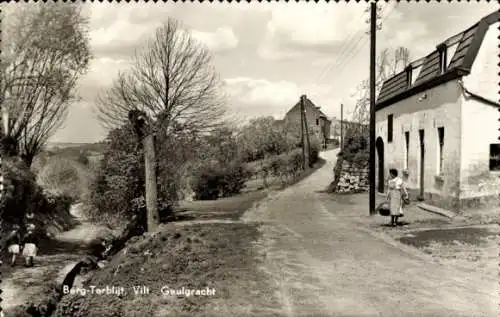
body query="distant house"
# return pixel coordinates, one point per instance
(317, 122)
(336, 131)
(439, 120)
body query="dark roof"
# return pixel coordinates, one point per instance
(469, 41)
(309, 105)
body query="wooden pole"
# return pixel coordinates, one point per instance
(341, 127)
(302, 134)
(373, 27)
(307, 161)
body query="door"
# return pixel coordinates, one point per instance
(422, 162)
(379, 144)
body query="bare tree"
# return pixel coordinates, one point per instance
(387, 66)
(45, 51)
(172, 80)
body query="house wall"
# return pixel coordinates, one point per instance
(335, 129)
(483, 79)
(441, 107)
(480, 126)
(326, 128)
(311, 116)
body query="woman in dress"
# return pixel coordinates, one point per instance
(395, 195)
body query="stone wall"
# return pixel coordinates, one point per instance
(352, 178)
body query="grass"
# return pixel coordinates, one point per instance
(468, 247)
(234, 207)
(217, 256)
(192, 255)
(214, 255)
(224, 208)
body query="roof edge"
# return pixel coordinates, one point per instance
(426, 85)
(478, 39)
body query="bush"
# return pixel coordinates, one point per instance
(315, 146)
(213, 180)
(83, 158)
(24, 195)
(206, 184)
(120, 178)
(58, 203)
(356, 149)
(65, 176)
(233, 179)
(264, 136)
(285, 166)
(294, 163)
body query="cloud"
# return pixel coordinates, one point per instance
(223, 39)
(102, 72)
(252, 97)
(259, 97)
(121, 38)
(118, 33)
(300, 27)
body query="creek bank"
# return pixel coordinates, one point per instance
(68, 254)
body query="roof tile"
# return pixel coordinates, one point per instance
(467, 49)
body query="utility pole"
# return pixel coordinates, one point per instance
(143, 129)
(302, 141)
(303, 106)
(373, 28)
(341, 127)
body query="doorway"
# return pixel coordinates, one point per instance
(422, 162)
(379, 144)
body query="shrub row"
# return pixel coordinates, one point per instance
(356, 149)
(213, 180)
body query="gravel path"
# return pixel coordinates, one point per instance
(326, 264)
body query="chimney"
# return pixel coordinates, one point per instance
(303, 96)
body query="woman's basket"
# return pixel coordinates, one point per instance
(383, 209)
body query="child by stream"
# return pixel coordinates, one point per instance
(14, 242)
(30, 248)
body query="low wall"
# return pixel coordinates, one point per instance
(351, 178)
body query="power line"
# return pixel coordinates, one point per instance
(342, 50)
(342, 57)
(343, 66)
(341, 62)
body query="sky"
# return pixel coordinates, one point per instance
(267, 54)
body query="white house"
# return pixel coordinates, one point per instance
(439, 119)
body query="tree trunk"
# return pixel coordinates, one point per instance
(28, 159)
(150, 175)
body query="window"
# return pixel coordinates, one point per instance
(390, 123)
(317, 121)
(414, 73)
(495, 157)
(407, 153)
(409, 74)
(442, 57)
(440, 150)
(450, 52)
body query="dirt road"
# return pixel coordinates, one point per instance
(326, 264)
